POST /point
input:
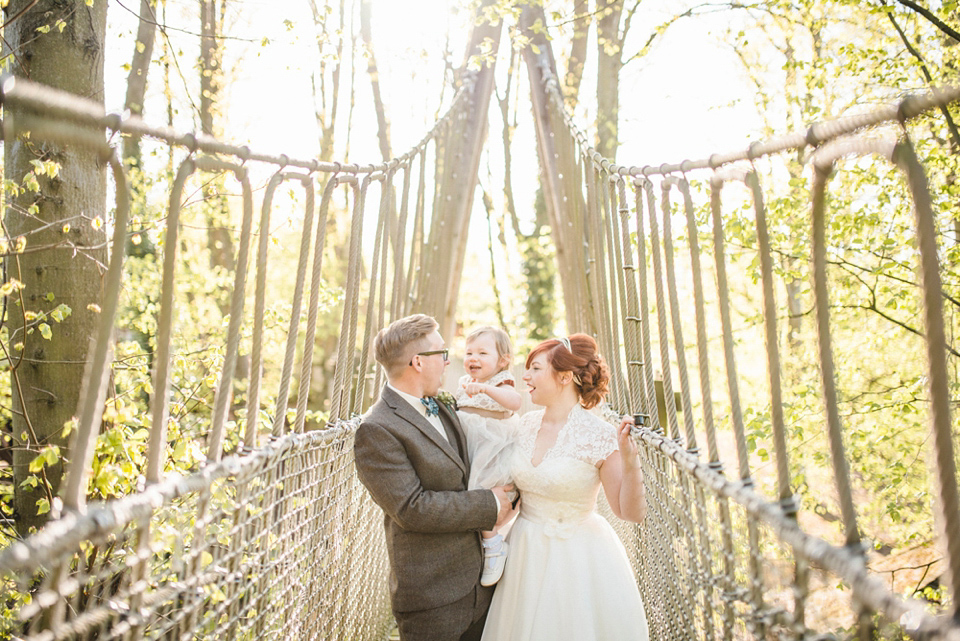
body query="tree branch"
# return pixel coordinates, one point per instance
(952, 126)
(934, 20)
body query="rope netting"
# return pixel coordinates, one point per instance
(279, 538)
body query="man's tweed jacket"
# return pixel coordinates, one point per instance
(431, 520)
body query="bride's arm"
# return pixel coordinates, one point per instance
(622, 478)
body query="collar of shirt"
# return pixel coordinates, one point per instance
(413, 400)
(422, 409)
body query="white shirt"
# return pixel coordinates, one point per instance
(420, 407)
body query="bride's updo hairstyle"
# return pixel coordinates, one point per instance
(590, 373)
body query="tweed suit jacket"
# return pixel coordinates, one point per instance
(431, 520)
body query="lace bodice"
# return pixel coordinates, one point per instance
(482, 401)
(561, 491)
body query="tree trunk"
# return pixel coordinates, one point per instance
(327, 95)
(459, 157)
(608, 78)
(559, 202)
(47, 372)
(578, 54)
(137, 78)
(219, 241)
(538, 256)
(383, 125)
(139, 245)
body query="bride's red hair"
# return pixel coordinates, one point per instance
(591, 374)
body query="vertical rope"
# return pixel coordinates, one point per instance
(418, 244)
(941, 423)
(679, 347)
(345, 347)
(773, 349)
(723, 294)
(306, 365)
(615, 295)
(399, 246)
(602, 313)
(159, 408)
(590, 267)
(663, 342)
(703, 357)
(572, 269)
(578, 270)
(841, 468)
(374, 303)
(224, 390)
(259, 306)
(631, 331)
(293, 327)
(96, 375)
(649, 384)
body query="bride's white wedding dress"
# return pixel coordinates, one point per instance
(567, 574)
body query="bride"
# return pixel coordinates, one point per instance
(568, 576)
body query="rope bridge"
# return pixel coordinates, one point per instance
(279, 538)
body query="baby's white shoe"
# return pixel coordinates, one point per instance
(494, 560)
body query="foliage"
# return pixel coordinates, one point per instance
(811, 61)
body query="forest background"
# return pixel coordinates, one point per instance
(362, 80)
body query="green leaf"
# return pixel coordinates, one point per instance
(45, 331)
(61, 312)
(51, 454)
(36, 464)
(30, 183)
(43, 506)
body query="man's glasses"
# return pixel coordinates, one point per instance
(445, 352)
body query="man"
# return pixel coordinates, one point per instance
(411, 455)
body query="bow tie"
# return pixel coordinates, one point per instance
(431, 404)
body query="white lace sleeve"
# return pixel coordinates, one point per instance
(482, 401)
(460, 394)
(595, 439)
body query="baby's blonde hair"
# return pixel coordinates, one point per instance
(500, 339)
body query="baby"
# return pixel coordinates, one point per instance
(488, 403)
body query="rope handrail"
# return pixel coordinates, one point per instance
(30, 97)
(103, 519)
(816, 134)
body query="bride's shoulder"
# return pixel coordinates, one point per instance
(588, 420)
(531, 419)
(595, 438)
(533, 415)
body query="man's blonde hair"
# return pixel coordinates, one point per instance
(397, 343)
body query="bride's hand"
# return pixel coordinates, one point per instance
(628, 447)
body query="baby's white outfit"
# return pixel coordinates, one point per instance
(491, 442)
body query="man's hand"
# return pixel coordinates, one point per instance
(506, 494)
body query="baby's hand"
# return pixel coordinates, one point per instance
(475, 388)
